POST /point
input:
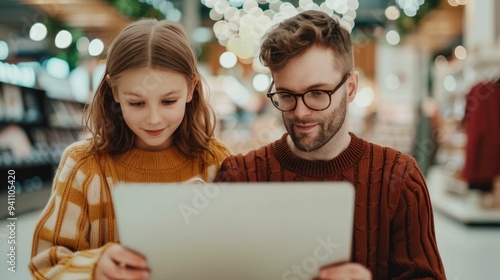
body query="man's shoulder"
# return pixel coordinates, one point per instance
(390, 154)
(262, 151)
(249, 158)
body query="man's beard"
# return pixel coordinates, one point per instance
(328, 128)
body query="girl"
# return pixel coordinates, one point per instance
(149, 123)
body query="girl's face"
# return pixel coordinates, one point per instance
(153, 103)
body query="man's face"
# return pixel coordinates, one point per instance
(315, 69)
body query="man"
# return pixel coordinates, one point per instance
(311, 60)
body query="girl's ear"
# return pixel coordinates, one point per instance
(108, 80)
(196, 80)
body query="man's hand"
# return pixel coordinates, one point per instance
(118, 262)
(345, 271)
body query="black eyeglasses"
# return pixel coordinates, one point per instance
(317, 100)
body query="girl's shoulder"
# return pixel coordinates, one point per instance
(78, 149)
(216, 145)
(217, 151)
(79, 153)
(76, 162)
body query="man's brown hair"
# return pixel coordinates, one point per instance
(295, 35)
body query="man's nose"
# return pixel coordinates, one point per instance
(300, 108)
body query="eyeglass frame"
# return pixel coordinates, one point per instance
(296, 95)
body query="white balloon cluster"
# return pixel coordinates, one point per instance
(240, 24)
(410, 7)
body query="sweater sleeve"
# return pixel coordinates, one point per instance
(218, 152)
(66, 244)
(232, 170)
(413, 250)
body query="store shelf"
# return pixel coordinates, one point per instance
(26, 201)
(34, 131)
(463, 206)
(466, 210)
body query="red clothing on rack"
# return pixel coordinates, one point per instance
(482, 127)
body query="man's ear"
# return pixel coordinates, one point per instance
(196, 80)
(108, 80)
(352, 86)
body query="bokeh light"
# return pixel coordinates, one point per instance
(410, 7)
(392, 13)
(82, 44)
(450, 83)
(441, 62)
(261, 82)
(63, 39)
(460, 52)
(57, 68)
(392, 82)
(364, 97)
(96, 47)
(392, 37)
(38, 32)
(4, 50)
(228, 60)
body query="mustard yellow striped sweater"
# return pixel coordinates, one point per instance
(79, 221)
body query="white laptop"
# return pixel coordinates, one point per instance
(244, 231)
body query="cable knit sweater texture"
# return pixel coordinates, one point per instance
(78, 222)
(393, 231)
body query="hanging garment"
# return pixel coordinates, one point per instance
(482, 127)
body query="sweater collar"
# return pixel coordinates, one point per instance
(152, 160)
(319, 168)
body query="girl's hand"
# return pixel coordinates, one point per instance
(353, 271)
(118, 262)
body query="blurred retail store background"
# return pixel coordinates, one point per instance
(419, 61)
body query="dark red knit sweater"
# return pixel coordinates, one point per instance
(393, 221)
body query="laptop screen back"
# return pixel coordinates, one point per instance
(258, 231)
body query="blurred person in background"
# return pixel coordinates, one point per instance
(311, 60)
(149, 122)
(428, 131)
